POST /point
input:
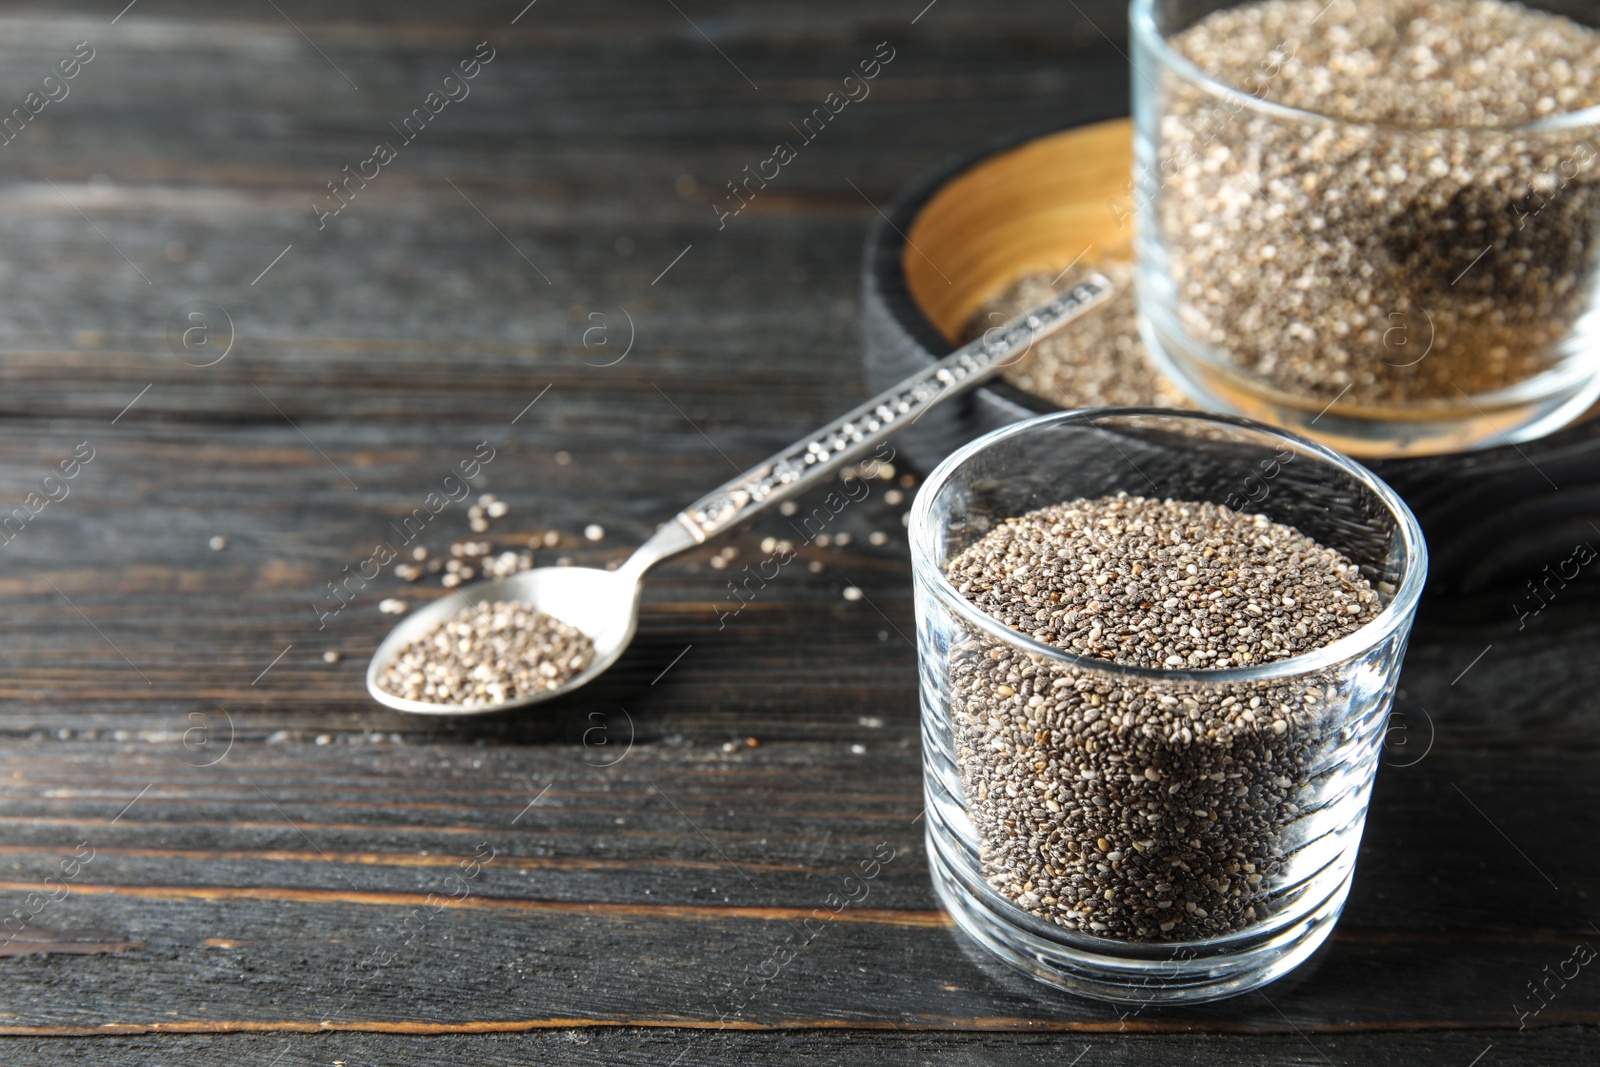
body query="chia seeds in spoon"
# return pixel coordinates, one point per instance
(489, 653)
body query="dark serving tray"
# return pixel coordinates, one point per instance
(1493, 517)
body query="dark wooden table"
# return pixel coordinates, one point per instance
(224, 852)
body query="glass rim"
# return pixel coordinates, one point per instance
(927, 569)
(1142, 27)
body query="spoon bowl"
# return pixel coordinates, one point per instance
(603, 604)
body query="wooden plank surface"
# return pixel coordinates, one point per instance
(265, 839)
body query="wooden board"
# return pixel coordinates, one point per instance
(265, 838)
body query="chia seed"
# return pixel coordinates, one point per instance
(1134, 808)
(489, 653)
(1431, 245)
(1098, 362)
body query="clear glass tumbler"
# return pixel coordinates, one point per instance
(1207, 861)
(1388, 289)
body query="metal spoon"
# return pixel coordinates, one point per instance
(605, 604)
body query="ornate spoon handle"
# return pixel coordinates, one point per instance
(818, 455)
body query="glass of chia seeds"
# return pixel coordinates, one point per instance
(1157, 655)
(1373, 221)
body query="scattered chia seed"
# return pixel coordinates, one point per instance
(1431, 247)
(506, 564)
(489, 653)
(1140, 809)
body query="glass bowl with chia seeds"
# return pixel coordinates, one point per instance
(1374, 221)
(1157, 654)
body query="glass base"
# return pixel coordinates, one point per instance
(1132, 973)
(1379, 433)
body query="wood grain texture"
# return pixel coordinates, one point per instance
(269, 846)
(819, 1047)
